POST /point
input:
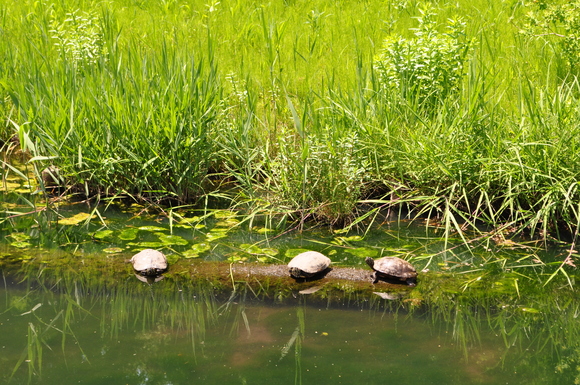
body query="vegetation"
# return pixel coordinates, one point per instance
(303, 108)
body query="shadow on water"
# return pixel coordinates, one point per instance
(113, 329)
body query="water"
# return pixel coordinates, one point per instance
(69, 331)
(122, 230)
(72, 312)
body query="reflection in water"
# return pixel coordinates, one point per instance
(67, 330)
(150, 279)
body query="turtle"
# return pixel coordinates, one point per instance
(308, 264)
(149, 262)
(51, 176)
(392, 268)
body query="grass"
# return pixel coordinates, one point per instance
(280, 106)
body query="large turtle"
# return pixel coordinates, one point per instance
(392, 268)
(308, 264)
(149, 262)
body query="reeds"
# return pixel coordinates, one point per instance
(284, 108)
(134, 119)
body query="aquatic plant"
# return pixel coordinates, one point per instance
(557, 23)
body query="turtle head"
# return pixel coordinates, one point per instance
(370, 262)
(296, 272)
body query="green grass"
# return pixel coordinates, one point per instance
(279, 106)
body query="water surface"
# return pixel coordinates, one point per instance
(484, 312)
(168, 333)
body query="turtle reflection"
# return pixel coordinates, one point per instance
(150, 278)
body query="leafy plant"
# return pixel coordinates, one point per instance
(322, 173)
(557, 20)
(428, 68)
(79, 38)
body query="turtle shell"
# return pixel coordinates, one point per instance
(393, 267)
(149, 262)
(308, 264)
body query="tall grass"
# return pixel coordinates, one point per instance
(132, 119)
(282, 104)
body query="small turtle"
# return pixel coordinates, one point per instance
(149, 262)
(52, 178)
(392, 268)
(308, 264)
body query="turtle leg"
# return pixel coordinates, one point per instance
(411, 282)
(375, 277)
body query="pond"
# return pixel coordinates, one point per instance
(72, 311)
(69, 331)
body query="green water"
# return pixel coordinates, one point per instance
(483, 312)
(121, 230)
(169, 333)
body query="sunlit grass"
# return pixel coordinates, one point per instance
(277, 108)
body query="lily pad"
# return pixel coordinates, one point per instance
(216, 234)
(75, 219)
(250, 249)
(102, 234)
(148, 245)
(112, 250)
(22, 190)
(228, 222)
(19, 237)
(363, 252)
(352, 238)
(21, 244)
(9, 186)
(222, 214)
(152, 228)
(196, 250)
(189, 220)
(345, 240)
(255, 249)
(237, 257)
(263, 230)
(170, 239)
(128, 234)
(269, 251)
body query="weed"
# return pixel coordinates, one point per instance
(428, 68)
